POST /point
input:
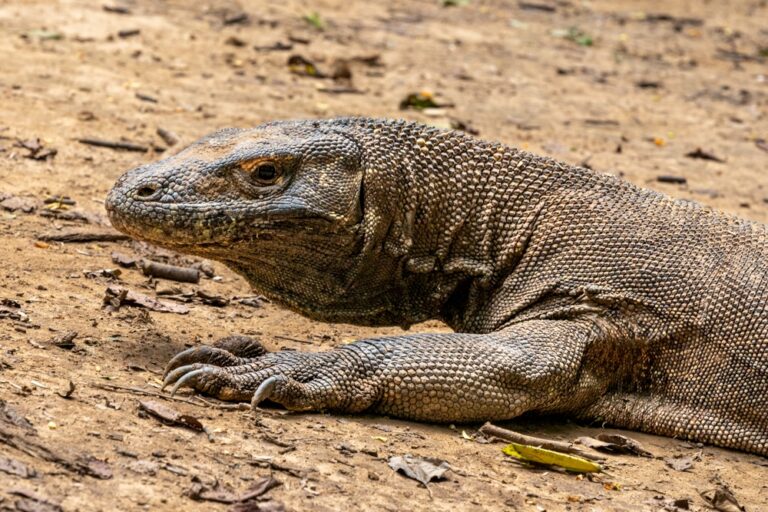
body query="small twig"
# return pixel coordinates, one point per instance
(168, 136)
(239, 406)
(548, 444)
(199, 402)
(145, 392)
(127, 146)
(76, 237)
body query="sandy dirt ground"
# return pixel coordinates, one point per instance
(671, 95)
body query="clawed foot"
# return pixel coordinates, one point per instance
(239, 368)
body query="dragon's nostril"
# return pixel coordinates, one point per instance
(147, 191)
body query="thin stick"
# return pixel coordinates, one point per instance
(75, 237)
(548, 444)
(145, 392)
(199, 402)
(127, 146)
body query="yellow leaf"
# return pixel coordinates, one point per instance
(528, 453)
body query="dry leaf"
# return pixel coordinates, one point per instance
(538, 455)
(680, 463)
(422, 469)
(615, 443)
(117, 296)
(170, 416)
(722, 499)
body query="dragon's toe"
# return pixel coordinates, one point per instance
(225, 383)
(229, 351)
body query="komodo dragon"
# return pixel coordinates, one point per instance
(569, 291)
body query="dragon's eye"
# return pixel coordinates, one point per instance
(266, 172)
(263, 173)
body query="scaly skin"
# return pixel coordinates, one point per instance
(569, 291)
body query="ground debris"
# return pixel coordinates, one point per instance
(169, 137)
(11, 310)
(210, 299)
(615, 443)
(722, 499)
(170, 272)
(550, 444)
(16, 434)
(682, 463)
(116, 296)
(31, 502)
(9, 415)
(15, 467)
(58, 213)
(422, 100)
(666, 178)
(16, 203)
(116, 9)
(65, 340)
(278, 466)
(119, 145)
(143, 467)
(421, 469)
(111, 274)
(68, 393)
(704, 155)
(36, 150)
(170, 416)
(536, 455)
(77, 236)
(535, 6)
(123, 260)
(254, 301)
(91, 466)
(300, 65)
(221, 494)
(257, 506)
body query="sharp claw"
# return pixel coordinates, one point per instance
(264, 391)
(174, 375)
(187, 377)
(178, 356)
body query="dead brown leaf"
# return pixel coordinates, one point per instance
(170, 416)
(623, 444)
(682, 463)
(117, 296)
(36, 150)
(722, 499)
(124, 260)
(421, 469)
